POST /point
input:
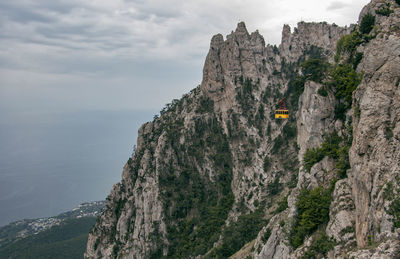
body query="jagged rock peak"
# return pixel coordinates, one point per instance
(245, 55)
(286, 31)
(241, 28)
(216, 41)
(240, 54)
(322, 35)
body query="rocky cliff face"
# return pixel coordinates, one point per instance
(216, 172)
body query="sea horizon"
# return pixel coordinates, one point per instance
(51, 162)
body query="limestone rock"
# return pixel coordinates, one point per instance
(219, 150)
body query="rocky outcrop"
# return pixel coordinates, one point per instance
(375, 151)
(321, 35)
(215, 171)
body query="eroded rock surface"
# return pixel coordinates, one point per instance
(217, 157)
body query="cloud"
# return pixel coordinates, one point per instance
(150, 29)
(152, 44)
(336, 5)
(15, 13)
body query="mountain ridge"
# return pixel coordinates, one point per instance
(215, 170)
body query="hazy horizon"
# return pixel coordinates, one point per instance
(51, 163)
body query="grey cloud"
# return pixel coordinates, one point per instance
(139, 43)
(146, 13)
(87, 27)
(63, 31)
(13, 12)
(60, 7)
(336, 5)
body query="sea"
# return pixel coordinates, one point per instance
(52, 161)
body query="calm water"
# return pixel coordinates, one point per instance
(50, 163)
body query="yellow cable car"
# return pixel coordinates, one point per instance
(282, 112)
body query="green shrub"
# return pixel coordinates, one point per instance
(278, 142)
(357, 111)
(335, 147)
(266, 235)
(274, 187)
(348, 44)
(319, 247)
(282, 204)
(394, 210)
(206, 105)
(370, 239)
(314, 52)
(331, 146)
(239, 233)
(343, 162)
(314, 69)
(367, 23)
(289, 131)
(388, 192)
(312, 156)
(267, 163)
(344, 80)
(385, 11)
(357, 59)
(245, 97)
(312, 211)
(322, 91)
(340, 111)
(293, 181)
(388, 132)
(295, 89)
(397, 2)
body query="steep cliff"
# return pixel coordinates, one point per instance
(216, 172)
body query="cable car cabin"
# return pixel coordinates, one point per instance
(281, 114)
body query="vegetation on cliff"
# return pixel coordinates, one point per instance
(226, 171)
(312, 211)
(196, 206)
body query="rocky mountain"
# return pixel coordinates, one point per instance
(216, 175)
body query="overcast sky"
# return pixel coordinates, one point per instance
(68, 55)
